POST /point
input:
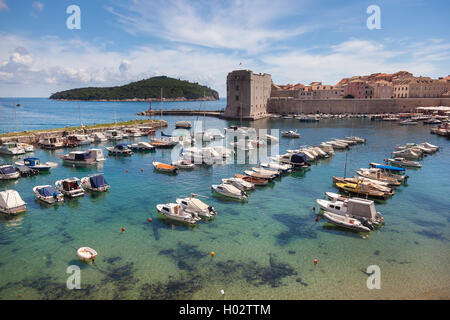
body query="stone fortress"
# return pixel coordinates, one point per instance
(252, 96)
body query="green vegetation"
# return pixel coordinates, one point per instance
(155, 123)
(348, 96)
(144, 89)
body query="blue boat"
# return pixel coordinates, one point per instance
(165, 135)
(35, 163)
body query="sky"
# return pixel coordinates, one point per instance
(120, 41)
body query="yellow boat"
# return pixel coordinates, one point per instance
(363, 189)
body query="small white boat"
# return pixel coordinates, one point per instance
(35, 163)
(239, 183)
(48, 194)
(7, 172)
(27, 147)
(175, 212)
(141, 146)
(277, 166)
(183, 164)
(290, 134)
(268, 172)
(11, 203)
(51, 143)
(70, 187)
(261, 175)
(328, 148)
(361, 209)
(132, 132)
(11, 149)
(120, 149)
(98, 137)
(407, 153)
(402, 162)
(407, 123)
(229, 191)
(199, 207)
(183, 124)
(336, 196)
(430, 146)
(113, 135)
(357, 139)
(345, 221)
(78, 158)
(95, 183)
(86, 254)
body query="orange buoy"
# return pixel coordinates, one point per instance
(149, 219)
(317, 218)
(314, 208)
(315, 261)
(123, 229)
(212, 253)
(126, 171)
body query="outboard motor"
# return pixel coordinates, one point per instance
(366, 223)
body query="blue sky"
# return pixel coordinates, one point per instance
(294, 41)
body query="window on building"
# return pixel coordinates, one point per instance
(237, 87)
(237, 98)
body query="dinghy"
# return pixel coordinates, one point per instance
(254, 180)
(345, 222)
(290, 134)
(120, 149)
(167, 168)
(48, 194)
(86, 254)
(402, 162)
(183, 164)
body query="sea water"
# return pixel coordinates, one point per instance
(264, 247)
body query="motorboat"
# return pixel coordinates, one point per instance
(207, 155)
(174, 211)
(408, 122)
(357, 139)
(432, 121)
(141, 146)
(132, 132)
(290, 134)
(11, 203)
(25, 171)
(120, 149)
(167, 168)
(239, 183)
(402, 162)
(35, 163)
(79, 139)
(376, 184)
(78, 158)
(146, 130)
(277, 166)
(407, 153)
(48, 194)
(11, 149)
(7, 172)
(196, 205)
(269, 177)
(229, 191)
(288, 117)
(296, 160)
(345, 222)
(86, 254)
(183, 124)
(320, 152)
(308, 118)
(360, 209)
(27, 147)
(113, 134)
(95, 182)
(328, 148)
(345, 141)
(96, 154)
(336, 196)
(253, 180)
(363, 189)
(70, 187)
(99, 137)
(389, 171)
(378, 174)
(268, 172)
(309, 155)
(337, 145)
(430, 146)
(164, 143)
(51, 143)
(183, 164)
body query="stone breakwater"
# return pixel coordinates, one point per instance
(181, 112)
(33, 137)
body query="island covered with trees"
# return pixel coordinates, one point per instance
(143, 90)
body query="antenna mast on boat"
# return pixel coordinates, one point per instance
(161, 101)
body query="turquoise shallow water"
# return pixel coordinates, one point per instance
(264, 248)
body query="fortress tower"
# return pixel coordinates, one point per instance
(247, 95)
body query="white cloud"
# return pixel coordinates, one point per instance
(39, 6)
(250, 26)
(3, 5)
